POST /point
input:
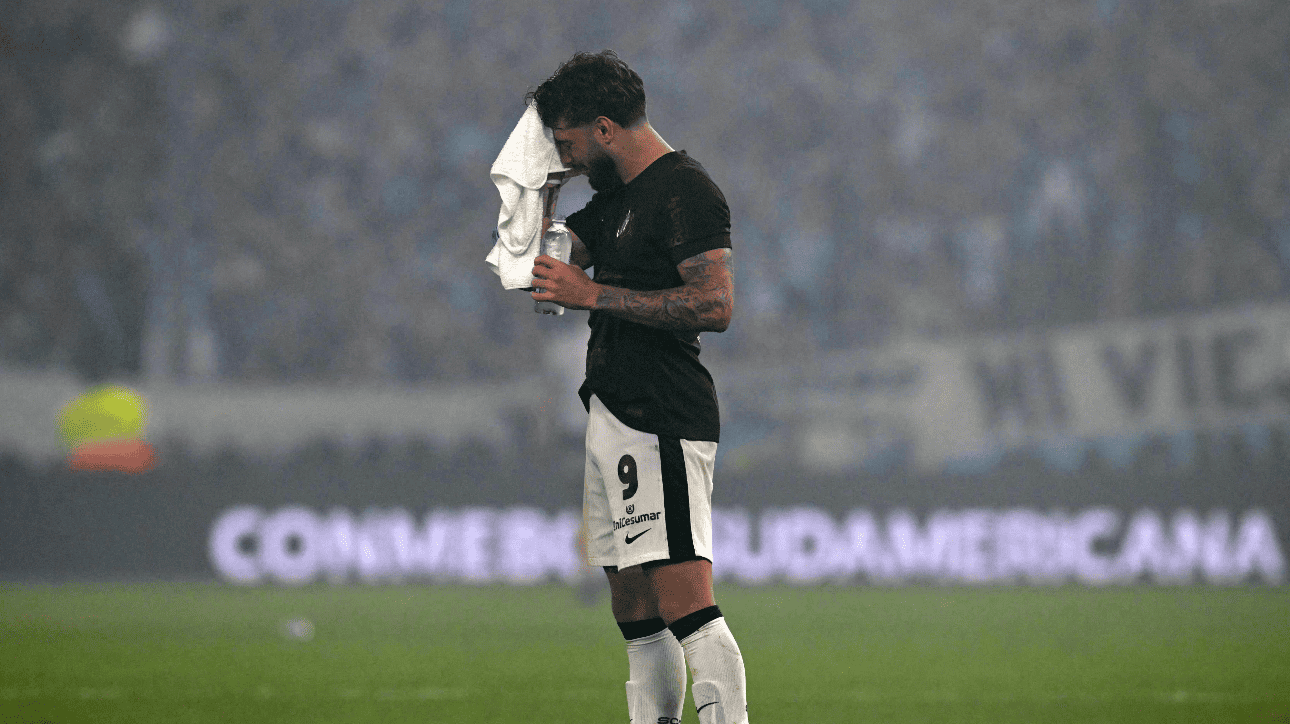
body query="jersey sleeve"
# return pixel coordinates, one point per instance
(696, 218)
(586, 224)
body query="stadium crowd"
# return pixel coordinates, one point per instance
(299, 190)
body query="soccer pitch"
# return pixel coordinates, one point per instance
(215, 653)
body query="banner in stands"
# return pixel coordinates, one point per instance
(1057, 393)
(800, 545)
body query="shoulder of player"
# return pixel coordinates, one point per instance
(688, 183)
(684, 165)
(694, 178)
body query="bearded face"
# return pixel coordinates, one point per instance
(602, 174)
(581, 154)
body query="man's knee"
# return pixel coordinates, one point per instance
(679, 589)
(630, 595)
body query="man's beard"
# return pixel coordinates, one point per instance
(602, 175)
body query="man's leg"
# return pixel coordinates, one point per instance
(655, 660)
(683, 592)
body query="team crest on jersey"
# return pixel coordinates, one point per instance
(623, 227)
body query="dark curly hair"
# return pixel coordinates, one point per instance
(587, 86)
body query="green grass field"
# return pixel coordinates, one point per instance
(212, 653)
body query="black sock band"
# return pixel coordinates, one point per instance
(641, 629)
(688, 624)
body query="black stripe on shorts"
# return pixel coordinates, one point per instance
(676, 499)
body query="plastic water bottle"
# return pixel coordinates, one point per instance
(556, 243)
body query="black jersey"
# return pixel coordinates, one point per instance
(651, 378)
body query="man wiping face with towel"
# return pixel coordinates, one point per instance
(527, 174)
(657, 232)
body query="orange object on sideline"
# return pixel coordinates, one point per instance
(127, 456)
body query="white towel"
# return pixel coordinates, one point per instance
(519, 172)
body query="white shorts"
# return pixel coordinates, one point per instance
(645, 497)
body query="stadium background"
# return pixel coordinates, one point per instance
(1012, 278)
(1032, 257)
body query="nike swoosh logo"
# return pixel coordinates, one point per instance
(632, 538)
(705, 706)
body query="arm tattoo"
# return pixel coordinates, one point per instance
(704, 303)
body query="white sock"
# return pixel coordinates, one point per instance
(656, 665)
(720, 691)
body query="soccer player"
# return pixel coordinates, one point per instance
(657, 232)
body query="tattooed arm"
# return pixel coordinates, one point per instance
(703, 303)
